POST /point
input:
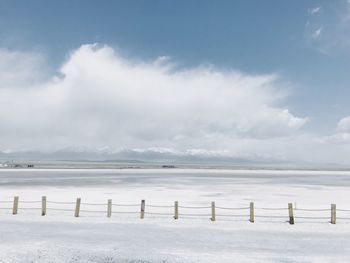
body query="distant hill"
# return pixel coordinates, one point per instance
(157, 156)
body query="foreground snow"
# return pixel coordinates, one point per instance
(153, 240)
(59, 237)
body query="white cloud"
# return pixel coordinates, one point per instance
(315, 10)
(332, 22)
(317, 33)
(344, 125)
(104, 102)
(338, 138)
(342, 135)
(102, 99)
(20, 69)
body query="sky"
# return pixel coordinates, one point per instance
(252, 79)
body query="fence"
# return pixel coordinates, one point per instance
(212, 211)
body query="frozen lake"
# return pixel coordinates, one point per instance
(187, 185)
(59, 237)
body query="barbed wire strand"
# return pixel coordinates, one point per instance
(194, 215)
(160, 206)
(271, 208)
(125, 205)
(310, 217)
(60, 209)
(232, 208)
(162, 214)
(93, 211)
(232, 215)
(312, 210)
(63, 203)
(261, 216)
(195, 207)
(124, 212)
(94, 204)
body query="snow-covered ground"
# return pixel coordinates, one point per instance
(60, 237)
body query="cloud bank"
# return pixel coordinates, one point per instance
(102, 101)
(101, 98)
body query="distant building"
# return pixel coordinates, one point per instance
(16, 165)
(168, 166)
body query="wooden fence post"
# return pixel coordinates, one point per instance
(15, 206)
(109, 208)
(142, 209)
(77, 207)
(333, 213)
(43, 205)
(290, 212)
(212, 211)
(176, 216)
(251, 210)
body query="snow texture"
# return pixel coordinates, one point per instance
(60, 237)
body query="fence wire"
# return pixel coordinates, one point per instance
(161, 214)
(312, 210)
(194, 207)
(57, 202)
(158, 210)
(160, 206)
(271, 208)
(124, 212)
(225, 215)
(232, 208)
(311, 217)
(125, 205)
(343, 210)
(271, 216)
(60, 209)
(94, 204)
(92, 211)
(180, 214)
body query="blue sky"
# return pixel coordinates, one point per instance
(305, 43)
(253, 36)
